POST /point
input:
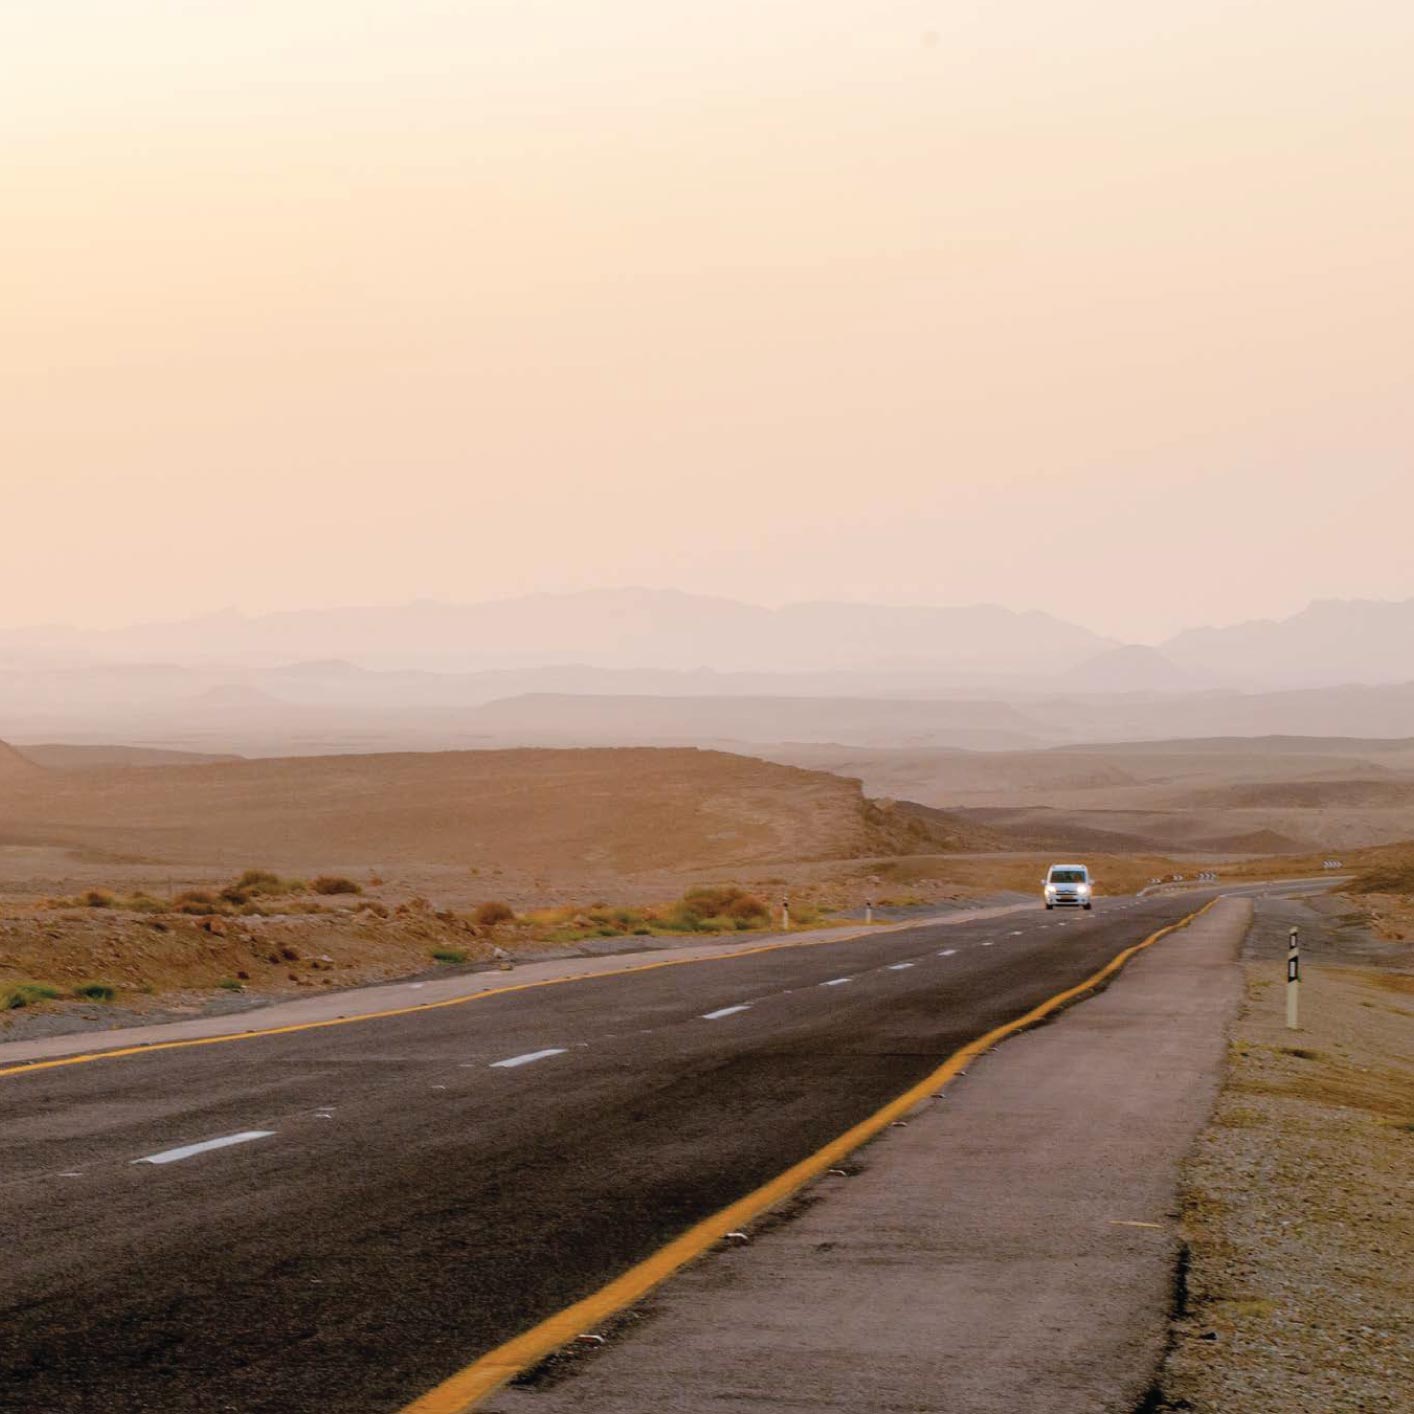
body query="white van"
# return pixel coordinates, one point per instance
(1068, 886)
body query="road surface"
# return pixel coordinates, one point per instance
(337, 1219)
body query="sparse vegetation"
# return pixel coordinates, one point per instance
(23, 994)
(244, 895)
(230, 984)
(448, 955)
(721, 909)
(95, 991)
(1393, 876)
(731, 906)
(493, 912)
(329, 884)
(196, 901)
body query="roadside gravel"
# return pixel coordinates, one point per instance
(1299, 1197)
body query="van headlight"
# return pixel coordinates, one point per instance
(1084, 889)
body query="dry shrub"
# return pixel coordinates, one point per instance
(713, 908)
(196, 901)
(334, 884)
(1396, 877)
(492, 912)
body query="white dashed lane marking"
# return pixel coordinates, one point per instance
(723, 1011)
(899, 966)
(948, 952)
(835, 982)
(187, 1151)
(528, 1058)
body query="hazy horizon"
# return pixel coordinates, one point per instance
(1094, 307)
(103, 624)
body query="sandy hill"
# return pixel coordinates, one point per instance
(1226, 795)
(1308, 795)
(628, 720)
(64, 757)
(13, 765)
(616, 811)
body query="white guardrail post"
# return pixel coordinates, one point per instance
(1293, 979)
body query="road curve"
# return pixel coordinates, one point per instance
(339, 1219)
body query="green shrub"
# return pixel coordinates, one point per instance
(95, 991)
(451, 955)
(229, 984)
(23, 994)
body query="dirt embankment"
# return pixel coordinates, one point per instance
(1300, 1285)
(49, 958)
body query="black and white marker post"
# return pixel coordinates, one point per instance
(1293, 979)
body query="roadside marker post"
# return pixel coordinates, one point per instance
(1293, 979)
(785, 915)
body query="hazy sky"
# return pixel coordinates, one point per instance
(1099, 306)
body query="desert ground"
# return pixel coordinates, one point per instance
(1262, 795)
(141, 886)
(214, 881)
(1295, 1204)
(126, 873)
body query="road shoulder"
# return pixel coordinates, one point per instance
(1013, 1247)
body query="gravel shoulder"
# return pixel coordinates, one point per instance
(1297, 1210)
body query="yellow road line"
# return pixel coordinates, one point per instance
(467, 1388)
(152, 1047)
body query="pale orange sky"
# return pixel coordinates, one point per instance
(1097, 306)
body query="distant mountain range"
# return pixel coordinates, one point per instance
(617, 629)
(658, 642)
(1330, 641)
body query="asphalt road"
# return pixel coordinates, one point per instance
(402, 1200)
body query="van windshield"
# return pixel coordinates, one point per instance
(1067, 876)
